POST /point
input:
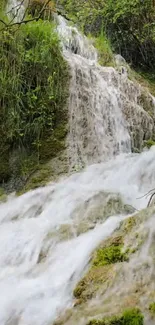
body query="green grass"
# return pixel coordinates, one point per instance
(104, 50)
(33, 90)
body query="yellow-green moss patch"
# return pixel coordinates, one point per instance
(152, 308)
(129, 317)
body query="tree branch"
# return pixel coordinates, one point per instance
(26, 21)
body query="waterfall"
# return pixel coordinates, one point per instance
(44, 250)
(98, 129)
(42, 254)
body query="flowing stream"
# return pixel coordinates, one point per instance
(42, 255)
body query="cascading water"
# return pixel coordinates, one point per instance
(97, 127)
(42, 252)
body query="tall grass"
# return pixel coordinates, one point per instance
(33, 89)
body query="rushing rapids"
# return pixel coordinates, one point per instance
(42, 255)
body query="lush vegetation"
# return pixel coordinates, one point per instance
(130, 27)
(129, 317)
(33, 92)
(33, 77)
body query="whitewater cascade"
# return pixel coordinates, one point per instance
(47, 235)
(98, 129)
(106, 112)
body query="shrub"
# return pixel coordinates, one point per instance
(33, 90)
(130, 27)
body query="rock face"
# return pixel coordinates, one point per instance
(120, 280)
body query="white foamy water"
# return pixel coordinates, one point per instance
(98, 129)
(34, 290)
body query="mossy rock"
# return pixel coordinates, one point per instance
(52, 144)
(129, 224)
(109, 255)
(91, 282)
(152, 308)
(129, 317)
(102, 272)
(39, 179)
(149, 143)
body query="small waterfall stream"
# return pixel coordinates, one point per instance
(42, 255)
(98, 129)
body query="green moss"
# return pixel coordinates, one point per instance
(102, 271)
(149, 143)
(133, 317)
(53, 143)
(89, 285)
(152, 308)
(40, 177)
(109, 255)
(128, 224)
(129, 317)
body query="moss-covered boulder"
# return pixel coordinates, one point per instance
(152, 308)
(102, 271)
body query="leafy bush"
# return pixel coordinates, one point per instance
(33, 90)
(130, 27)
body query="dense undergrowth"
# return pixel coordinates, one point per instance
(128, 25)
(33, 92)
